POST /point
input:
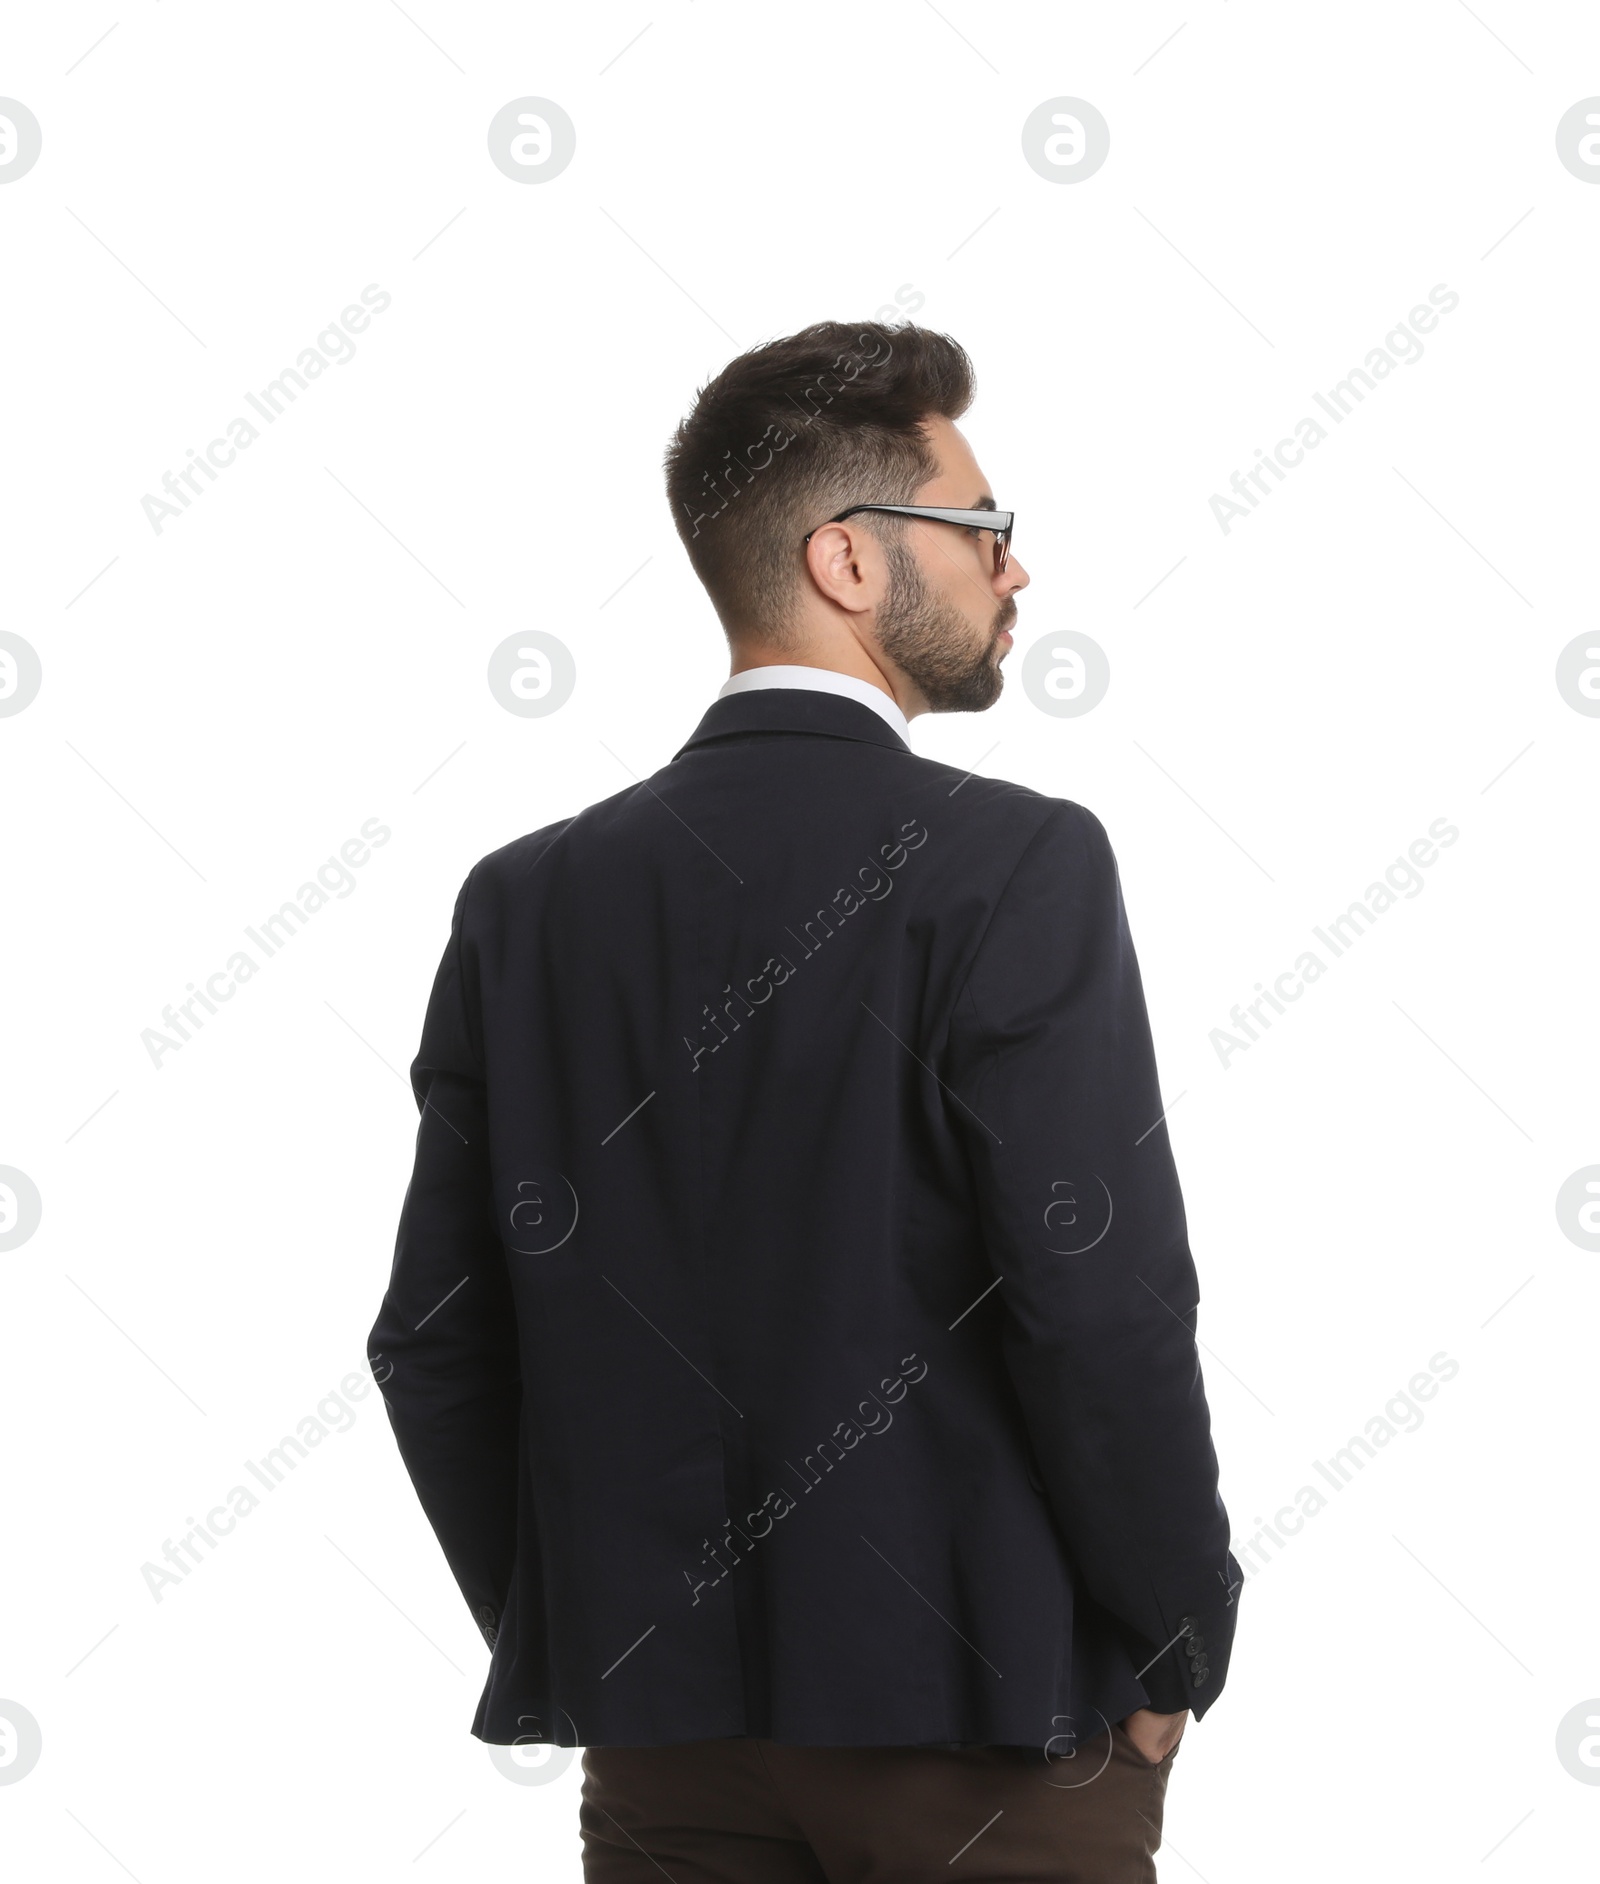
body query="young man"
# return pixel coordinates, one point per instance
(790, 1331)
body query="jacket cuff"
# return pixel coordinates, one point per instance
(1189, 1672)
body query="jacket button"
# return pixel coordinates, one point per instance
(1196, 1642)
(486, 1612)
(1187, 1623)
(1200, 1677)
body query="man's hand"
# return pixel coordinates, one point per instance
(1153, 1734)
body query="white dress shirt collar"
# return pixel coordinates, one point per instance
(822, 680)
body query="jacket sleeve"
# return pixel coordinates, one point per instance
(444, 1346)
(1055, 1081)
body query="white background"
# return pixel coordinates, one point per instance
(225, 702)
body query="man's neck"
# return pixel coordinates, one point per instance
(847, 657)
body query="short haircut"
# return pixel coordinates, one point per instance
(793, 432)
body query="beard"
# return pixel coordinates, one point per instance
(954, 666)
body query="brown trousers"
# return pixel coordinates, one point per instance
(747, 1811)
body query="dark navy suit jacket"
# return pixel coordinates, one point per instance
(791, 1327)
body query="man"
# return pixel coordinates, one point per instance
(790, 1331)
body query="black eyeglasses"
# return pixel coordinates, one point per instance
(999, 521)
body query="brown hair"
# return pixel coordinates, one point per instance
(791, 433)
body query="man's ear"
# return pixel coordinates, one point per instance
(846, 565)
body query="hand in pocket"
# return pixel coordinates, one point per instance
(1154, 1735)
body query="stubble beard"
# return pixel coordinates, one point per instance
(935, 646)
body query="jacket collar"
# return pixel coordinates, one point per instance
(792, 710)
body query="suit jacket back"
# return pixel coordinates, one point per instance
(790, 1330)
